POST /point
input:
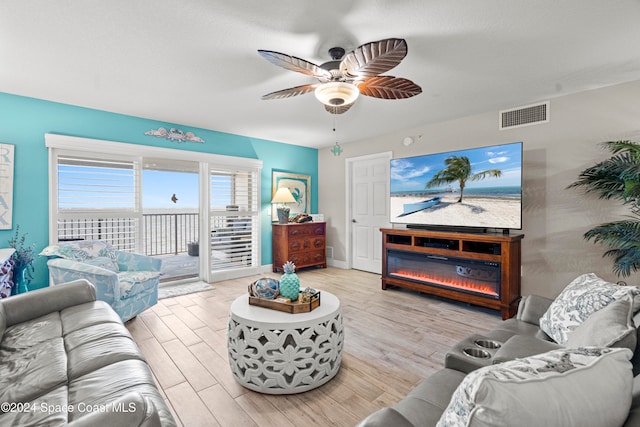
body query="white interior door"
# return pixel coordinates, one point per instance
(369, 191)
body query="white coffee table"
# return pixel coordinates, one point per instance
(275, 352)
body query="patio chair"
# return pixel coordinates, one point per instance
(127, 281)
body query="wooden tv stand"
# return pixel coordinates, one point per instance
(485, 257)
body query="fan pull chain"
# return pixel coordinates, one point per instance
(336, 149)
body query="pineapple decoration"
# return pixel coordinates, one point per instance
(289, 282)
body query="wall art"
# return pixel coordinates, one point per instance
(300, 187)
(6, 186)
(175, 134)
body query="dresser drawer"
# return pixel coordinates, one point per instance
(306, 243)
(302, 259)
(306, 229)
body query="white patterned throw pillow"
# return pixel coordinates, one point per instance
(81, 250)
(554, 389)
(579, 300)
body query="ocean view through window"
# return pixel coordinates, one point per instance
(165, 204)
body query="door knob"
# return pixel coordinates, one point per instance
(353, 220)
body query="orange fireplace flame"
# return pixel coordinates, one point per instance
(458, 283)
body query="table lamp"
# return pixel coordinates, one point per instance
(282, 196)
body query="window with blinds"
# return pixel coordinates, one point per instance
(97, 200)
(234, 213)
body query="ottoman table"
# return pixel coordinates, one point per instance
(274, 352)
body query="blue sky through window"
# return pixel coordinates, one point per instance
(99, 186)
(159, 186)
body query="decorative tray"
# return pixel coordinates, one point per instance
(288, 307)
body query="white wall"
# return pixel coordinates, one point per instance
(554, 218)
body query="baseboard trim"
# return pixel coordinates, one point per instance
(337, 264)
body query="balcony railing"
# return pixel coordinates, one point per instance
(163, 233)
(166, 234)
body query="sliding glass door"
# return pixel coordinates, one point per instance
(199, 212)
(170, 216)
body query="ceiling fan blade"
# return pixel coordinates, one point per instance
(388, 87)
(292, 91)
(338, 109)
(293, 63)
(372, 59)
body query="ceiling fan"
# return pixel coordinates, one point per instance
(345, 77)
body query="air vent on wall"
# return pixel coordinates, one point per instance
(524, 116)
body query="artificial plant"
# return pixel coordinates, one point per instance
(617, 178)
(23, 256)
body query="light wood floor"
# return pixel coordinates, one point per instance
(393, 340)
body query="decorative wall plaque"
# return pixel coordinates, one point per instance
(6, 186)
(175, 134)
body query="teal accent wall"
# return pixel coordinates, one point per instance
(24, 122)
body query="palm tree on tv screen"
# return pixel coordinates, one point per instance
(459, 170)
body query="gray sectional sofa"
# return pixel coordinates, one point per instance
(67, 359)
(520, 337)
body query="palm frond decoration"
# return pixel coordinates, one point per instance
(617, 178)
(619, 146)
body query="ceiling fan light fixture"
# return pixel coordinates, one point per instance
(345, 77)
(335, 94)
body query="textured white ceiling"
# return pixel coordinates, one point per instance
(194, 62)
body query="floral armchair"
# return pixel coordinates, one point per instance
(127, 281)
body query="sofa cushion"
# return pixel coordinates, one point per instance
(49, 409)
(579, 300)
(32, 359)
(557, 388)
(131, 409)
(424, 405)
(106, 384)
(100, 331)
(84, 315)
(32, 332)
(521, 346)
(99, 353)
(27, 373)
(610, 327)
(532, 307)
(385, 417)
(510, 327)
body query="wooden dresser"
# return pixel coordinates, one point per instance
(303, 244)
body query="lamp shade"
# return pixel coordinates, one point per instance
(283, 195)
(337, 93)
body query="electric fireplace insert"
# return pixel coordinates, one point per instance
(463, 275)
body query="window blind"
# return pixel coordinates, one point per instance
(97, 200)
(234, 216)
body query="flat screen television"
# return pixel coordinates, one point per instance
(473, 188)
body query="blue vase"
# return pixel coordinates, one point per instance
(19, 283)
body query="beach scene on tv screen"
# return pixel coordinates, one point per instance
(478, 187)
